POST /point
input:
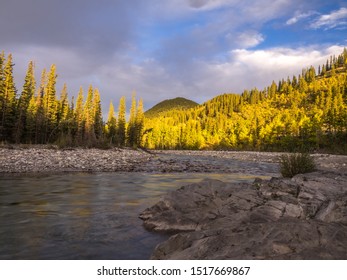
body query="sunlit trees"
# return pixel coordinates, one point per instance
(121, 123)
(29, 88)
(8, 103)
(308, 111)
(111, 125)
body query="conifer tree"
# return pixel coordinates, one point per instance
(111, 125)
(139, 123)
(121, 123)
(131, 129)
(2, 92)
(51, 108)
(64, 118)
(98, 123)
(28, 92)
(8, 110)
(79, 119)
(89, 117)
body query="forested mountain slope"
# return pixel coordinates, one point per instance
(178, 103)
(308, 111)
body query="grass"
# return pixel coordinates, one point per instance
(296, 163)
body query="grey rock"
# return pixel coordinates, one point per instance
(301, 218)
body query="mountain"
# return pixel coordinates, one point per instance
(178, 103)
(307, 112)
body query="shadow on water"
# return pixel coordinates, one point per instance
(84, 215)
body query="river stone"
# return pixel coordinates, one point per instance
(301, 218)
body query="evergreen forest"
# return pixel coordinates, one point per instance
(305, 112)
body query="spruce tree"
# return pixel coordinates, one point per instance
(121, 123)
(88, 115)
(131, 129)
(139, 123)
(111, 125)
(98, 123)
(8, 118)
(28, 92)
(2, 92)
(79, 119)
(51, 105)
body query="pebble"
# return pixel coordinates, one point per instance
(38, 159)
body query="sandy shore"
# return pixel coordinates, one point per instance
(52, 160)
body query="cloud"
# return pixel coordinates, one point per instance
(209, 4)
(247, 69)
(335, 19)
(195, 49)
(246, 39)
(300, 16)
(87, 25)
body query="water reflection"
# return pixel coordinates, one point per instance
(84, 216)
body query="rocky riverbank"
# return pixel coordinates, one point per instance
(38, 159)
(301, 218)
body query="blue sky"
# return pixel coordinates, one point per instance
(163, 49)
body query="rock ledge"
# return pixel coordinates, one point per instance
(301, 218)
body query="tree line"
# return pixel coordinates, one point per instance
(305, 112)
(37, 116)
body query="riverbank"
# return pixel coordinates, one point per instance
(48, 159)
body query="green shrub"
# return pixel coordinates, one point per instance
(297, 163)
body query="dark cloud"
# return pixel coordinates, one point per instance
(102, 26)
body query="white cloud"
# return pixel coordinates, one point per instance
(247, 69)
(153, 81)
(300, 16)
(246, 39)
(329, 21)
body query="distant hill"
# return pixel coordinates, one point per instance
(170, 104)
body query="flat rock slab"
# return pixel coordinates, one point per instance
(301, 218)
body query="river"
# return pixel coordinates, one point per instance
(84, 215)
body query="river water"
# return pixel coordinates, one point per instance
(84, 215)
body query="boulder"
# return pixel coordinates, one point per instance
(300, 218)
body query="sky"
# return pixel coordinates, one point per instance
(195, 49)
